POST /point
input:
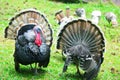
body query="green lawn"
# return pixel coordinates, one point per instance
(110, 69)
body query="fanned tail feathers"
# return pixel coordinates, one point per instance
(81, 32)
(27, 17)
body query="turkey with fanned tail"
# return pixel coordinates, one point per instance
(33, 38)
(83, 43)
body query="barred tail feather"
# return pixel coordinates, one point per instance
(29, 17)
(82, 42)
(82, 32)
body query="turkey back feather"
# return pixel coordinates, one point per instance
(82, 32)
(26, 18)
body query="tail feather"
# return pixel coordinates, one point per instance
(81, 32)
(29, 17)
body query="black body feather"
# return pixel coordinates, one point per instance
(22, 29)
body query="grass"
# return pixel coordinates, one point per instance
(110, 68)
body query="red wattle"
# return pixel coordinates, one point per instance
(38, 40)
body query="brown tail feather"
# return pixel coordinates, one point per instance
(81, 32)
(27, 17)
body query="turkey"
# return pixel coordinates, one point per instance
(81, 13)
(83, 43)
(95, 16)
(111, 18)
(33, 38)
(63, 18)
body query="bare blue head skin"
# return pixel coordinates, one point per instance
(37, 29)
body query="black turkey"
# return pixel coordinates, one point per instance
(82, 43)
(33, 38)
(63, 18)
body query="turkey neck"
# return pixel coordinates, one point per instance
(39, 39)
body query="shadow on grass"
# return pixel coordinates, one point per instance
(74, 76)
(71, 76)
(27, 73)
(66, 1)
